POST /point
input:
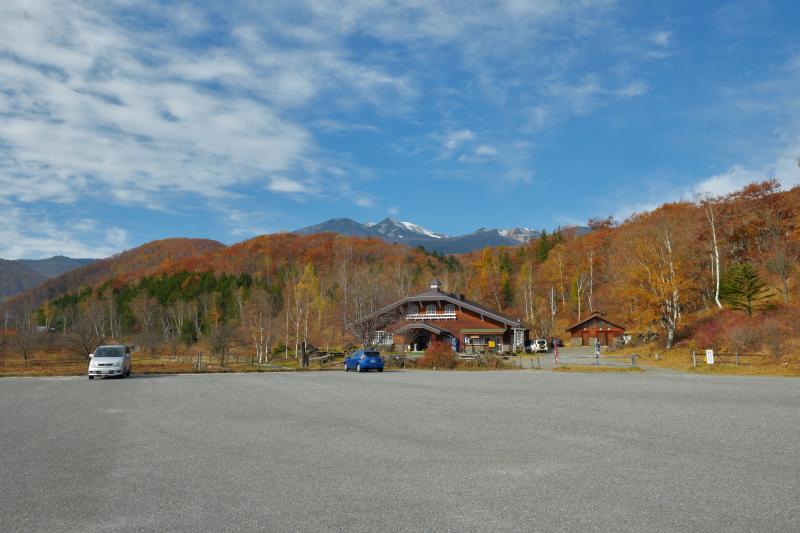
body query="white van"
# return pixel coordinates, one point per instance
(108, 361)
(538, 345)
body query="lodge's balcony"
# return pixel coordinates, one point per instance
(434, 316)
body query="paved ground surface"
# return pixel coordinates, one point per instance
(447, 451)
(572, 356)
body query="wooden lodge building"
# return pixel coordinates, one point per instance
(436, 315)
(593, 328)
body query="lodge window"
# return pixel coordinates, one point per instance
(413, 309)
(450, 309)
(383, 338)
(431, 309)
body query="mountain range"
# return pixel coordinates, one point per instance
(395, 231)
(19, 275)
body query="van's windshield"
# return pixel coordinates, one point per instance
(109, 351)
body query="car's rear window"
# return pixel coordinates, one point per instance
(372, 354)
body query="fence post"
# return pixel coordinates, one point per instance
(633, 359)
(737, 356)
(694, 359)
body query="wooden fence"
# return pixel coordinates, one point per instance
(41, 362)
(727, 358)
(596, 360)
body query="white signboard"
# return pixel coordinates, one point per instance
(710, 357)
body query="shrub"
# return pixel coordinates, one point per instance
(707, 335)
(491, 361)
(729, 330)
(439, 355)
(774, 338)
(745, 338)
(349, 348)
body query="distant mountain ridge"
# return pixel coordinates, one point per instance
(43, 279)
(56, 265)
(395, 231)
(19, 275)
(138, 261)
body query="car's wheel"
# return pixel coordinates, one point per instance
(91, 377)
(358, 368)
(129, 372)
(380, 370)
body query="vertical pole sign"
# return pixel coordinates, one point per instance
(597, 352)
(710, 357)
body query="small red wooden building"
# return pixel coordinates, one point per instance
(595, 327)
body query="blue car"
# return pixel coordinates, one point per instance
(363, 360)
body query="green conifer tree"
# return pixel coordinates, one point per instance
(744, 290)
(543, 248)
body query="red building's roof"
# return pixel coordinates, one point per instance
(598, 315)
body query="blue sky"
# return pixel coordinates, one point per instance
(127, 121)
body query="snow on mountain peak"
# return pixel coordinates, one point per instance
(520, 234)
(419, 229)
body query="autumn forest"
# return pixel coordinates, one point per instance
(715, 272)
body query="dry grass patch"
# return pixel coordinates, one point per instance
(781, 369)
(680, 358)
(60, 365)
(600, 369)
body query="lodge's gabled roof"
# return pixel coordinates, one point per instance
(432, 295)
(596, 314)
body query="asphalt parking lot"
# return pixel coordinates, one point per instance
(415, 451)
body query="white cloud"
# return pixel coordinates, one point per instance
(94, 108)
(454, 139)
(784, 169)
(485, 150)
(328, 125)
(364, 201)
(732, 179)
(773, 100)
(661, 37)
(584, 96)
(246, 223)
(117, 238)
(635, 88)
(221, 99)
(32, 234)
(288, 186)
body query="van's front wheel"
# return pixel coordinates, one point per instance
(91, 377)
